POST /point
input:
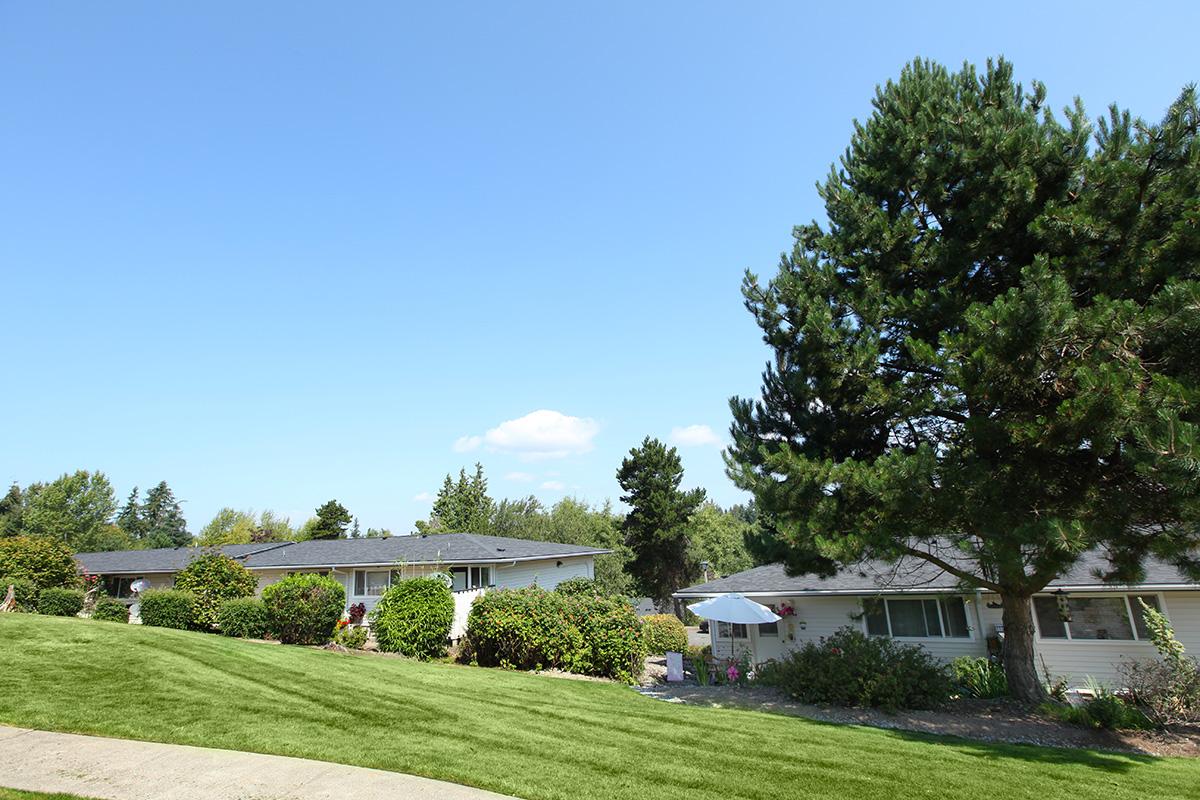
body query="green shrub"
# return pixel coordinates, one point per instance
(351, 636)
(613, 644)
(664, 634)
(168, 608)
(244, 617)
(25, 593)
(850, 668)
(522, 629)
(979, 677)
(304, 609)
(414, 618)
(1167, 690)
(109, 610)
(58, 601)
(531, 628)
(212, 579)
(44, 561)
(1106, 710)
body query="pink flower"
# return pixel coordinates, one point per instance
(732, 673)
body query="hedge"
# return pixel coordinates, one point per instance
(25, 593)
(414, 618)
(58, 601)
(168, 608)
(109, 610)
(244, 617)
(304, 609)
(212, 579)
(44, 561)
(531, 628)
(664, 634)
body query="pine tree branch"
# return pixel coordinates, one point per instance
(974, 580)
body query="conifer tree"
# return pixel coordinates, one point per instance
(986, 358)
(331, 522)
(162, 519)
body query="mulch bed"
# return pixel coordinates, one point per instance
(983, 720)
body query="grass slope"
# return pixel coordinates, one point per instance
(17, 794)
(531, 736)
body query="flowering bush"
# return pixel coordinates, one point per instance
(534, 629)
(850, 668)
(414, 618)
(785, 610)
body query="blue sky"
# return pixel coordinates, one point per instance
(276, 253)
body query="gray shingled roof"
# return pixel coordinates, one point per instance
(446, 548)
(877, 577)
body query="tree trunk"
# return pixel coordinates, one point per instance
(1019, 666)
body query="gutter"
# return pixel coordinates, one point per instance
(1155, 587)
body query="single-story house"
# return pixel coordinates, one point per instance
(367, 567)
(1084, 627)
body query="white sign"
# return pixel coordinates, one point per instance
(674, 667)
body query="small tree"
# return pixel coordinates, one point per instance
(656, 525)
(76, 508)
(331, 521)
(44, 561)
(212, 579)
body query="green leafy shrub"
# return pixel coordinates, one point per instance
(664, 634)
(613, 644)
(850, 668)
(979, 677)
(1167, 690)
(212, 579)
(578, 586)
(42, 560)
(110, 610)
(25, 593)
(414, 618)
(1106, 710)
(351, 636)
(59, 601)
(304, 609)
(168, 608)
(243, 617)
(531, 628)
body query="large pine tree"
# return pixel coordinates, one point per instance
(987, 357)
(162, 519)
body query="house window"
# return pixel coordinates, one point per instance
(917, 618)
(374, 582)
(466, 578)
(768, 629)
(1114, 617)
(118, 587)
(731, 630)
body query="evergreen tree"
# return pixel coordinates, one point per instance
(129, 518)
(162, 520)
(461, 506)
(355, 531)
(986, 360)
(11, 506)
(331, 522)
(656, 527)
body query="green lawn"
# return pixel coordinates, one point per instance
(17, 794)
(531, 736)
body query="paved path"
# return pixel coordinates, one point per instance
(121, 769)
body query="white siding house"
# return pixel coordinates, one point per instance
(366, 568)
(1085, 628)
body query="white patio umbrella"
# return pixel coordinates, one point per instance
(734, 607)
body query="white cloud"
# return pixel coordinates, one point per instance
(520, 477)
(538, 435)
(464, 444)
(554, 486)
(422, 497)
(695, 436)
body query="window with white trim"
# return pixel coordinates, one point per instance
(466, 578)
(119, 587)
(1116, 617)
(917, 617)
(374, 582)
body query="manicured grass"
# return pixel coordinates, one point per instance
(531, 736)
(17, 794)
